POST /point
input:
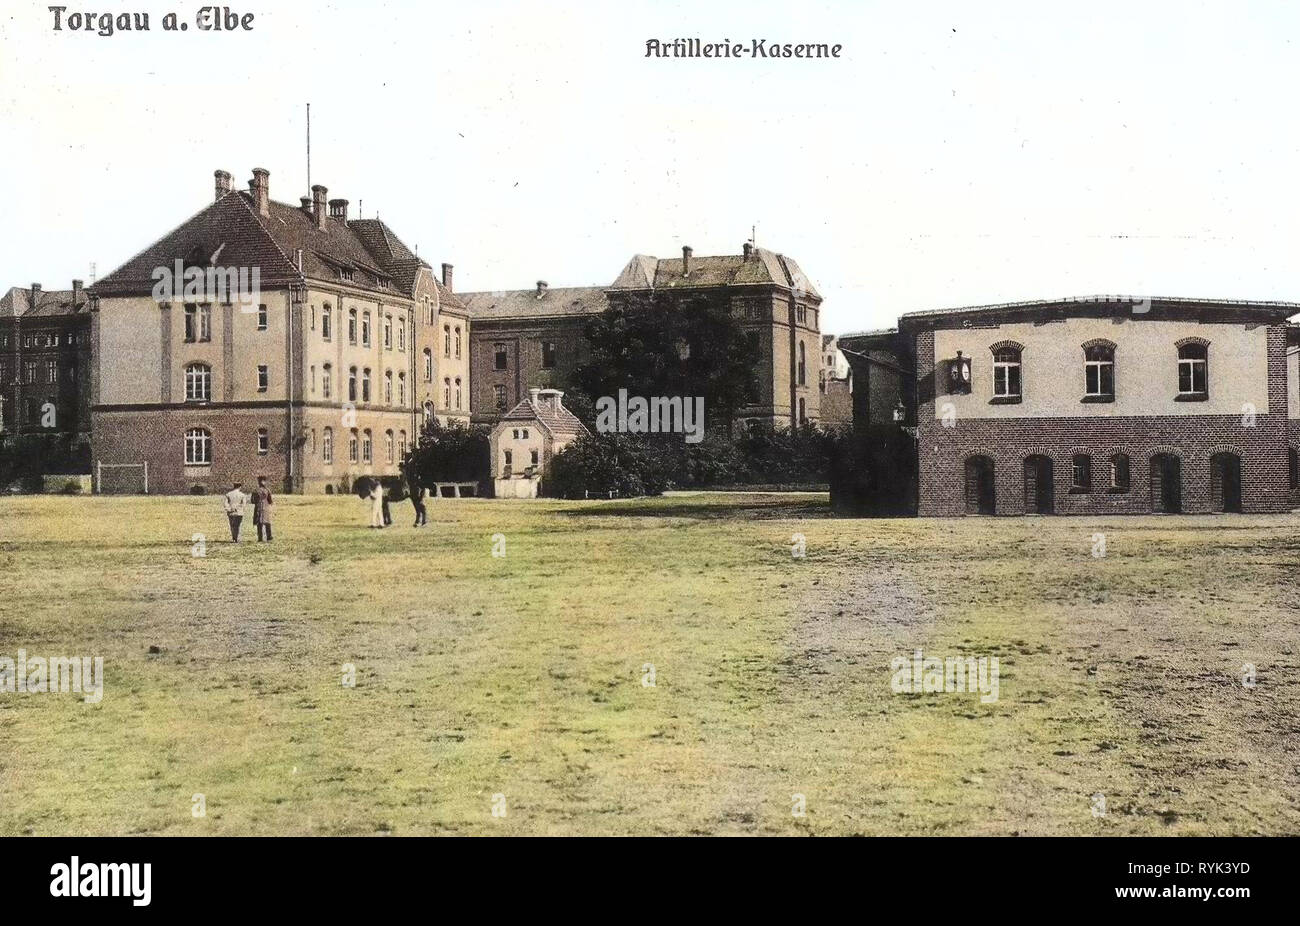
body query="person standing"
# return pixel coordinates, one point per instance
(376, 497)
(262, 503)
(386, 490)
(418, 495)
(234, 502)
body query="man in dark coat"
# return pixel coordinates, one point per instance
(262, 503)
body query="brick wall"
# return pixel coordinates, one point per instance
(1193, 439)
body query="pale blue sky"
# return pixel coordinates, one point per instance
(956, 154)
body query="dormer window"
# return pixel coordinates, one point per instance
(345, 275)
(1006, 372)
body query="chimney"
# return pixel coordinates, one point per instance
(35, 296)
(222, 183)
(339, 209)
(446, 278)
(551, 399)
(541, 288)
(533, 393)
(318, 193)
(749, 251)
(260, 187)
(305, 202)
(76, 293)
(686, 259)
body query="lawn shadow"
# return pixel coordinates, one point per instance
(714, 507)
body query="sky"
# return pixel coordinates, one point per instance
(955, 154)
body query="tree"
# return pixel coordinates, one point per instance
(670, 345)
(450, 453)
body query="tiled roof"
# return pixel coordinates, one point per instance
(18, 301)
(526, 303)
(558, 420)
(1084, 305)
(765, 267)
(231, 233)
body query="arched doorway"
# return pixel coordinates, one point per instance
(1039, 489)
(1166, 484)
(981, 496)
(1225, 482)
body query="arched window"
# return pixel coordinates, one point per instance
(1006, 372)
(1099, 370)
(327, 445)
(446, 340)
(365, 329)
(802, 365)
(457, 392)
(428, 365)
(365, 385)
(1193, 359)
(388, 446)
(401, 444)
(388, 387)
(198, 383)
(352, 446)
(1119, 473)
(499, 396)
(352, 384)
(352, 326)
(388, 332)
(367, 447)
(1081, 473)
(198, 447)
(325, 317)
(326, 380)
(458, 340)
(446, 392)
(401, 389)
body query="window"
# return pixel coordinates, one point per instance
(499, 395)
(198, 322)
(401, 389)
(326, 380)
(325, 321)
(458, 341)
(198, 383)
(388, 446)
(514, 433)
(401, 334)
(428, 365)
(500, 362)
(800, 314)
(446, 340)
(345, 274)
(261, 318)
(1006, 373)
(313, 317)
(365, 385)
(51, 371)
(509, 460)
(1119, 473)
(352, 326)
(388, 332)
(401, 445)
(367, 448)
(525, 434)
(198, 447)
(1192, 379)
(263, 441)
(352, 384)
(446, 392)
(263, 377)
(313, 379)
(803, 412)
(365, 329)
(388, 387)
(29, 371)
(533, 458)
(457, 393)
(1099, 371)
(352, 446)
(802, 367)
(313, 442)
(548, 355)
(327, 445)
(1081, 478)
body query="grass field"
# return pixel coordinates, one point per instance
(522, 676)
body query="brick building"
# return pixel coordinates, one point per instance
(836, 385)
(534, 338)
(325, 374)
(1087, 407)
(45, 362)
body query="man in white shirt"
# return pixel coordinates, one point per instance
(235, 500)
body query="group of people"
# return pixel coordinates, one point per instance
(236, 503)
(376, 491)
